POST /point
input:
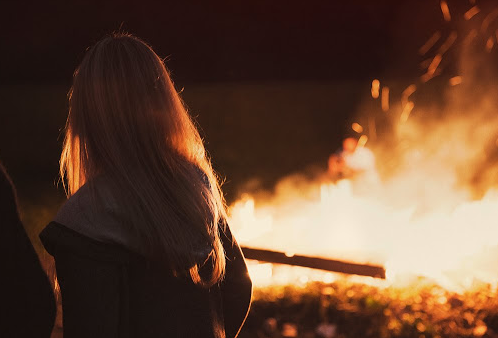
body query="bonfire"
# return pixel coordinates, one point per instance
(415, 195)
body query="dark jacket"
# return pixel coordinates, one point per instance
(110, 290)
(27, 305)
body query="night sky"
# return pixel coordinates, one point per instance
(211, 41)
(274, 85)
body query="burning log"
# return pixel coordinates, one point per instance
(315, 263)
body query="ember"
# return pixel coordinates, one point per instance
(445, 10)
(347, 309)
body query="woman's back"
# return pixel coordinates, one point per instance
(110, 291)
(141, 247)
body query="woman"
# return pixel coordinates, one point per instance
(27, 307)
(141, 247)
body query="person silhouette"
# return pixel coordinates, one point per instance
(27, 300)
(142, 247)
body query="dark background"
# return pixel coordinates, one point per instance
(273, 85)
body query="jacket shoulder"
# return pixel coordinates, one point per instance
(57, 238)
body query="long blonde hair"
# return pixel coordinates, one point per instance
(127, 123)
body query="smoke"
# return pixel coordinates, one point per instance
(431, 206)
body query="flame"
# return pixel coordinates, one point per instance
(416, 222)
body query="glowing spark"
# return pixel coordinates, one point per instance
(426, 77)
(445, 10)
(385, 98)
(480, 330)
(431, 70)
(429, 43)
(362, 141)
(489, 44)
(372, 129)
(425, 64)
(357, 128)
(406, 93)
(471, 12)
(375, 88)
(448, 43)
(407, 109)
(456, 80)
(488, 19)
(468, 39)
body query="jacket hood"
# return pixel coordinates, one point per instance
(103, 223)
(101, 219)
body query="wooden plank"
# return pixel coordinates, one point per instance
(315, 263)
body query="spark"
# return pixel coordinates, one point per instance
(456, 80)
(489, 44)
(448, 43)
(425, 64)
(385, 98)
(375, 88)
(488, 19)
(471, 12)
(362, 141)
(357, 128)
(407, 92)
(468, 39)
(429, 43)
(426, 77)
(407, 109)
(372, 128)
(431, 70)
(480, 330)
(445, 10)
